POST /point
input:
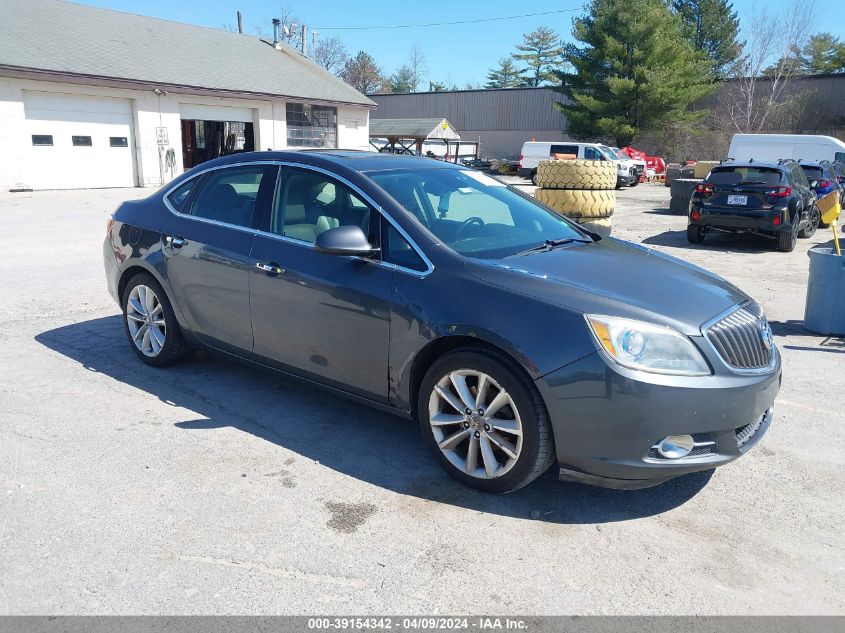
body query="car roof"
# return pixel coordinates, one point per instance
(356, 160)
(746, 163)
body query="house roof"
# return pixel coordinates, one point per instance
(413, 128)
(51, 36)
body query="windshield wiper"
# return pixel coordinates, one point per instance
(551, 244)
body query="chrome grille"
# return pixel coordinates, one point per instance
(738, 339)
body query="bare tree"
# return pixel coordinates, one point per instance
(417, 66)
(757, 85)
(331, 54)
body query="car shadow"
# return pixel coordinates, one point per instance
(376, 447)
(714, 242)
(664, 211)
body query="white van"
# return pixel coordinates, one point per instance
(773, 147)
(627, 171)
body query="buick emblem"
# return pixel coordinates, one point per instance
(765, 333)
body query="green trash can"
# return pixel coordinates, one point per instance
(824, 312)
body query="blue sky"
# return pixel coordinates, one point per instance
(457, 54)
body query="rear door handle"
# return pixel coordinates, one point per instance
(271, 268)
(176, 241)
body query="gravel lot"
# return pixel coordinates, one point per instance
(214, 488)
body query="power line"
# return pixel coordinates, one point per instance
(415, 26)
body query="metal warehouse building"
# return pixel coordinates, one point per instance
(501, 120)
(97, 98)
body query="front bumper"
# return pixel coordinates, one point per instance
(744, 221)
(625, 178)
(607, 418)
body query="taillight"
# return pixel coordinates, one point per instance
(779, 192)
(520, 160)
(823, 184)
(705, 189)
(776, 221)
(696, 215)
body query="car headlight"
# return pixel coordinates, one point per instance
(648, 347)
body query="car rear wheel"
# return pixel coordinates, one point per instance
(695, 234)
(813, 223)
(534, 177)
(150, 324)
(786, 241)
(485, 421)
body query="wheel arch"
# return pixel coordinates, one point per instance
(437, 348)
(140, 266)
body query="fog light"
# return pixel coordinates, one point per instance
(675, 446)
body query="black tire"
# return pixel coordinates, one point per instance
(636, 182)
(538, 449)
(786, 241)
(815, 222)
(534, 177)
(175, 348)
(695, 234)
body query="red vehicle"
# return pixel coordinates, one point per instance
(652, 162)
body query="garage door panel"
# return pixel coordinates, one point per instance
(64, 165)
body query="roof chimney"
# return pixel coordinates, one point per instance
(240, 23)
(276, 24)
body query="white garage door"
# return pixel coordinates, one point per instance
(78, 142)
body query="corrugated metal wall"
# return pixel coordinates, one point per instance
(494, 110)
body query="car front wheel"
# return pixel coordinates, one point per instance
(485, 421)
(150, 324)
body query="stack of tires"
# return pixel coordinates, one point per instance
(681, 190)
(674, 171)
(582, 190)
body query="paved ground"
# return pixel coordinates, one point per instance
(211, 488)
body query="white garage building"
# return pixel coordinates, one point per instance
(97, 98)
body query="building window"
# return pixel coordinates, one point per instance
(42, 139)
(311, 125)
(81, 141)
(118, 141)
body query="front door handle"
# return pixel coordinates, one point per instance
(176, 241)
(271, 268)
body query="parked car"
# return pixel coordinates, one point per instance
(535, 151)
(774, 147)
(839, 170)
(822, 176)
(774, 200)
(626, 163)
(515, 338)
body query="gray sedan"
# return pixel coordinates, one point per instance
(515, 338)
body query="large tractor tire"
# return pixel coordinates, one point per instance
(703, 167)
(578, 203)
(576, 174)
(683, 187)
(602, 226)
(679, 206)
(672, 173)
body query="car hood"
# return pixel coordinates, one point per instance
(615, 277)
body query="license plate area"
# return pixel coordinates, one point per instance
(738, 200)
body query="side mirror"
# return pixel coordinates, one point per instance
(344, 240)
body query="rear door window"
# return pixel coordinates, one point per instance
(229, 195)
(563, 149)
(178, 196)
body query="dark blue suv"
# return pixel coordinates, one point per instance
(774, 200)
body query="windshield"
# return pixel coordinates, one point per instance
(813, 173)
(474, 214)
(615, 154)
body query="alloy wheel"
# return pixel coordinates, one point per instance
(145, 318)
(475, 423)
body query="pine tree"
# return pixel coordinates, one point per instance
(541, 50)
(402, 80)
(711, 26)
(824, 53)
(507, 75)
(634, 71)
(362, 73)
